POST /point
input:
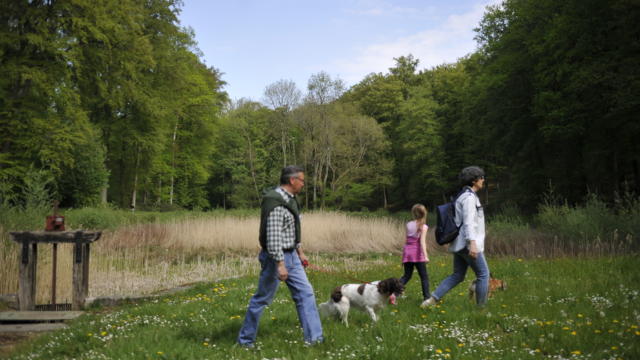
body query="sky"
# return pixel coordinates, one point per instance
(255, 43)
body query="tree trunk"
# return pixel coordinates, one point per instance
(173, 162)
(135, 180)
(384, 197)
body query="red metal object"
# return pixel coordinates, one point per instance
(54, 223)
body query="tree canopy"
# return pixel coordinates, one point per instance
(110, 101)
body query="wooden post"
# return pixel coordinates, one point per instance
(77, 301)
(28, 267)
(54, 271)
(85, 272)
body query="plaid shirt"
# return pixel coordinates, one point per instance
(281, 229)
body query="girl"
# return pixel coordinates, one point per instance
(415, 249)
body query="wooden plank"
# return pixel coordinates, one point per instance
(55, 236)
(39, 315)
(31, 327)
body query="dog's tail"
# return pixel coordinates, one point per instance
(336, 295)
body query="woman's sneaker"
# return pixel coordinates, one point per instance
(429, 302)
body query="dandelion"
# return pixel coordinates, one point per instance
(537, 350)
(104, 333)
(637, 332)
(438, 351)
(580, 315)
(565, 328)
(520, 260)
(460, 345)
(614, 348)
(597, 331)
(160, 353)
(573, 333)
(576, 352)
(205, 344)
(90, 334)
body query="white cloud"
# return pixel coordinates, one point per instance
(384, 8)
(445, 44)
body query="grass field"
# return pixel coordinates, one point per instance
(567, 308)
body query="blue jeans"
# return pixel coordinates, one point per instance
(301, 292)
(461, 261)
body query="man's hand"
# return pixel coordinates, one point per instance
(473, 249)
(283, 274)
(303, 258)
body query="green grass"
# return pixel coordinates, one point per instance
(580, 308)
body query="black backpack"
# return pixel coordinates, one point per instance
(447, 230)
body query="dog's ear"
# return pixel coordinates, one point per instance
(399, 286)
(383, 286)
(336, 295)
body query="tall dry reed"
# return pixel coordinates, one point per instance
(146, 258)
(142, 259)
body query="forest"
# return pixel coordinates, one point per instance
(111, 102)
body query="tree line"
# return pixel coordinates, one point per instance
(110, 101)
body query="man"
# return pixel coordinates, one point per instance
(281, 259)
(468, 247)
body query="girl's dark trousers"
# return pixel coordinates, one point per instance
(422, 271)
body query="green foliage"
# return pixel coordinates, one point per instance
(587, 316)
(91, 91)
(111, 97)
(594, 220)
(36, 191)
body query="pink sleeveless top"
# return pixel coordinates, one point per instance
(412, 250)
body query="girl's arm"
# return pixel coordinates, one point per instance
(423, 243)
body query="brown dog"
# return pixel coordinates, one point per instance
(494, 284)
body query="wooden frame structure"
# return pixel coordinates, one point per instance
(29, 241)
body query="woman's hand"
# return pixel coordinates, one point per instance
(473, 249)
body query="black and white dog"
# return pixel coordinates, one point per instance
(367, 297)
